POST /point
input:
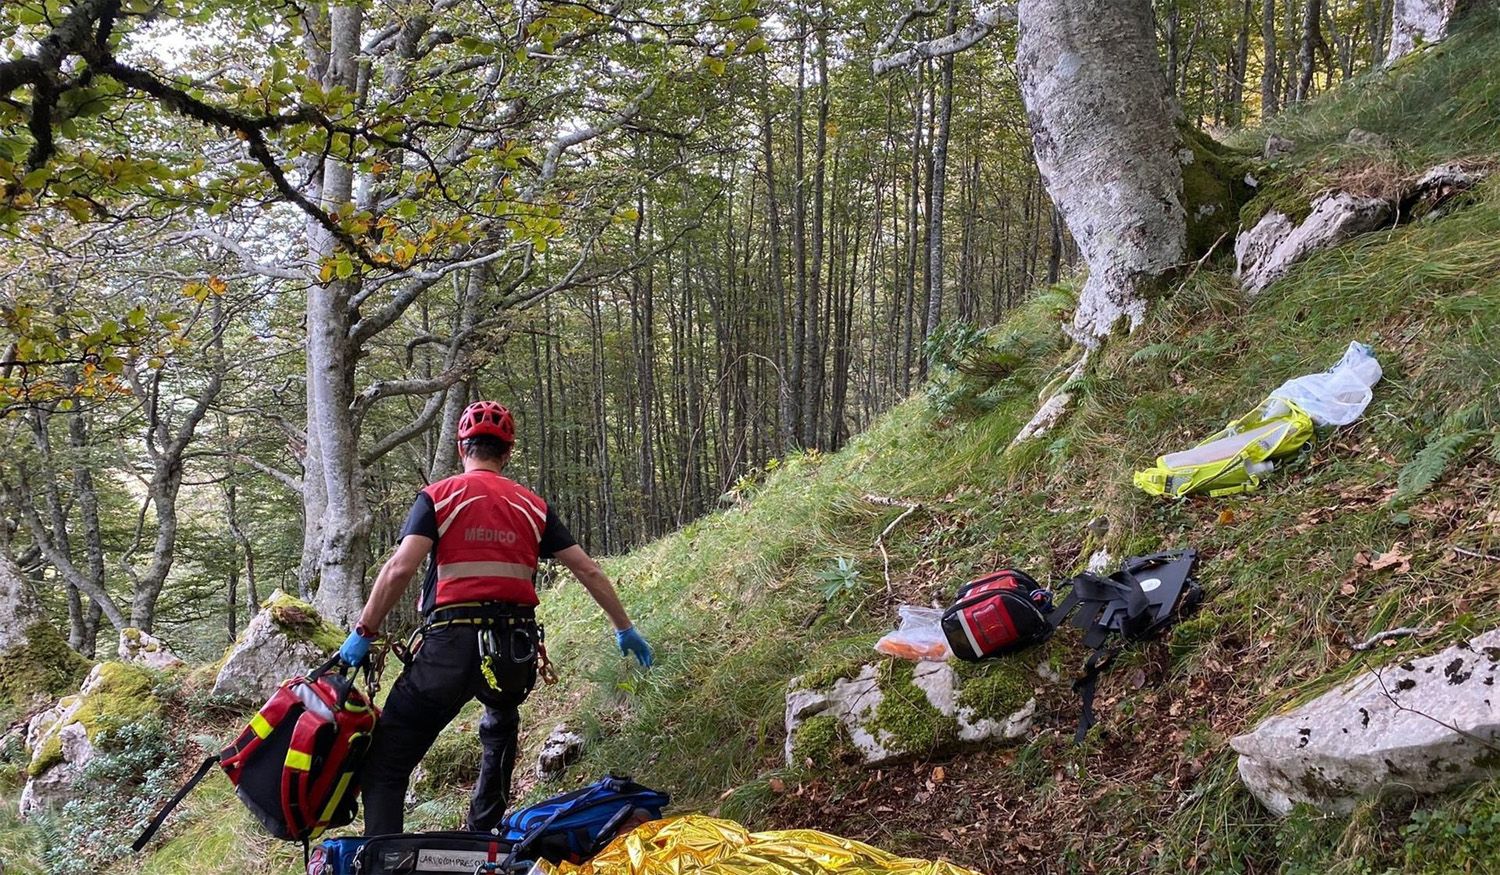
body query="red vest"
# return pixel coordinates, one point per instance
(489, 536)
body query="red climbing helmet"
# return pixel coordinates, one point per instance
(487, 418)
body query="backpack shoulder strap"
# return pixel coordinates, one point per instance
(161, 816)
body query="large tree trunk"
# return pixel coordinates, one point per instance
(342, 544)
(1105, 135)
(1420, 22)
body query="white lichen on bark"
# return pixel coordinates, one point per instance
(1418, 22)
(1104, 131)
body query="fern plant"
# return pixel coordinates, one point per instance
(1429, 465)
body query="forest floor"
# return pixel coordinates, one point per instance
(739, 602)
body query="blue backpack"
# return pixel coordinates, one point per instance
(575, 826)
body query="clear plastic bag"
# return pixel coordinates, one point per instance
(919, 637)
(1339, 395)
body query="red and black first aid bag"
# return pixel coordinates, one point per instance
(996, 614)
(296, 765)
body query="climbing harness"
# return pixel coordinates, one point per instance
(1137, 603)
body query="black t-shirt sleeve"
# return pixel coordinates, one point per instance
(555, 537)
(423, 518)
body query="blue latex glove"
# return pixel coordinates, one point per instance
(356, 648)
(632, 644)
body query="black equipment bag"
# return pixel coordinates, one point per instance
(430, 852)
(1003, 612)
(1137, 603)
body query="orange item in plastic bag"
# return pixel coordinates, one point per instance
(919, 637)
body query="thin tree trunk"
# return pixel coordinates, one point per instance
(1269, 86)
(935, 272)
(1312, 36)
(813, 363)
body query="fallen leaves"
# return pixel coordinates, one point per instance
(1395, 559)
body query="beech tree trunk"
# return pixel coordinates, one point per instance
(1104, 130)
(1312, 37)
(336, 505)
(18, 610)
(1419, 22)
(939, 189)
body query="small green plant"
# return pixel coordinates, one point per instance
(843, 578)
(133, 769)
(1429, 465)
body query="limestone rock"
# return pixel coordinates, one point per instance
(931, 707)
(284, 640)
(143, 648)
(1436, 187)
(1266, 252)
(61, 739)
(1420, 726)
(51, 789)
(1278, 146)
(1367, 139)
(561, 749)
(1418, 22)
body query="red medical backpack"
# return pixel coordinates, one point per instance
(296, 766)
(996, 614)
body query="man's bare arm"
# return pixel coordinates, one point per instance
(595, 581)
(395, 575)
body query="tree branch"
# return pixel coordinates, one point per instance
(407, 432)
(417, 386)
(235, 248)
(568, 141)
(289, 481)
(984, 23)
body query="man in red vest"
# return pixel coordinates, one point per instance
(484, 535)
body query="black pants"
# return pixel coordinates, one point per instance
(443, 676)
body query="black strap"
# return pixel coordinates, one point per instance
(161, 816)
(487, 611)
(1087, 686)
(611, 827)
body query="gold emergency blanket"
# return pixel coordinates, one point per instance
(700, 845)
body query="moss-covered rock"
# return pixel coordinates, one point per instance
(907, 715)
(284, 640)
(43, 666)
(993, 690)
(114, 695)
(301, 621)
(1214, 188)
(821, 741)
